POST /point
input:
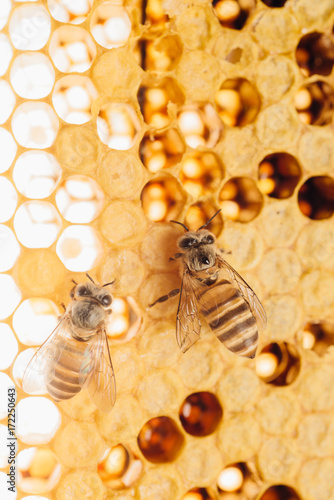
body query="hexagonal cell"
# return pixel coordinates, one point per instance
(36, 174)
(7, 101)
(199, 213)
(119, 468)
(316, 197)
(161, 54)
(200, 125)
(240, 199)
(8, 199)
(37, 224)
(79, 248)
(153, 14)
(162, 199)
(6, 52)
(38, 470)
(9, 248)
(72, 49)
(29, 27)
(280, 492)
(201, 173)
(233, 13)
(200, 413)
(161, 150)
(237, 102)
(40, 422)
(279, 174)
(315, 54)
(34, 320)
(32, 75)
(318, 337)
(79, 199)
(315, 103)
(278, 364)
(70, 11)
(35, 125)
(200, 494)
(5, 11)
(110, 25)
(240, 478)
(10, 296)
(160, 440)
(118, 125)
(154, 97)
(73, 97)
(125, 321)
(8, 346)
(8, 149)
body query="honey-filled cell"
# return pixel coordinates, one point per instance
(201, 173)
(238, 480)
(200, 494)
(161, 149)
(315, 54)
(316, 197)
(278, 364)
(119, 468)
(200, 413)
(240, 199)
(154, 97)
(237, 102)
(160, 440)
(279, 174)
(162, 199)
(318, 337)
(280, 492)
(200, 213)
(161, 54)
(314, 103)
(233, 13)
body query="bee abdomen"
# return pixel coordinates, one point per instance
(64, 383)
(232, 320)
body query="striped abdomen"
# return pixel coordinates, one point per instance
(64, 374)
(230, 317)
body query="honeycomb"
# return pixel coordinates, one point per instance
(115, 118)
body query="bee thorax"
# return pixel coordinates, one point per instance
(87, 314)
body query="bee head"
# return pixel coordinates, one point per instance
(92, 292)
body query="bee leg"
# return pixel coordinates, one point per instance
(63, 306)
(166, 297)
(176, 256)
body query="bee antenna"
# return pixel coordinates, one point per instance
(176, 222)
(90, 278)
(208, 222)
(74, 282)
(111, 283)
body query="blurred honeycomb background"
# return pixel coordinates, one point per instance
(115, 118)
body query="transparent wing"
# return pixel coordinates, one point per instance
(41, 367)
(97, 373)
(248, 294)
(188, 325)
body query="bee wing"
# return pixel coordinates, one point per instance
(248, 294)
(188, 325)
(97, 373)
(41, 367)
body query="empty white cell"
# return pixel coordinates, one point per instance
(29, 27)
(8, 346)
(35, 125)
(39, 420)
(8, 199)
(10, 296)
(9, 248)
(8, 149)
(32, 75)
(6, 53)
(7, 101)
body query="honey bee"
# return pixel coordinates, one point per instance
(76, 354)
(210, 285)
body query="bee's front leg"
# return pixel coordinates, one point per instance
(171, 294)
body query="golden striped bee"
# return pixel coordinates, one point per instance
(210, 285)
(76, 354)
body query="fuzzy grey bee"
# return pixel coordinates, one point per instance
(211, 286)
(76, 354)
